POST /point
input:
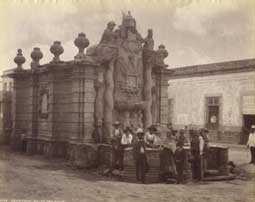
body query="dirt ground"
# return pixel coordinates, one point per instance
(37, 180)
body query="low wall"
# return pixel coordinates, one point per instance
(89, 155)
(153, 158)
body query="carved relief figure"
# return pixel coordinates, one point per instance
(44, 102)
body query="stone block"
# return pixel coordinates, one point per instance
(105, 154)
(153, 161)
(217, 159)
(83, 155)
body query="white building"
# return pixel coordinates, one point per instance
(218, 96)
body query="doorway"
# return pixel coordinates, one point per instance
(248, 120)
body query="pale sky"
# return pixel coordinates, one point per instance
(193, 31)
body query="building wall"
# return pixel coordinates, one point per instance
(189, 99)
(5, 111)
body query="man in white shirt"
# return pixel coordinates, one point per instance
(127, 137)
(197, 150)
(126, 141)
(251, 143)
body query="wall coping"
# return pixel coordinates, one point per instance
(246, 65)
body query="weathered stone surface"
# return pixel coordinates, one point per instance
(61, 103)
(83, 155)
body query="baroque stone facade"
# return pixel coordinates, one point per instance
(58, 106)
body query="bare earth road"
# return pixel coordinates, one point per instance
(35, 178)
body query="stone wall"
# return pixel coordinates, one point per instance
(22, 109)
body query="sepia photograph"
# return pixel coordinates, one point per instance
(127, 100)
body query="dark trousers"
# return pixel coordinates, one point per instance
(121, 156)
(141, 167)
(197, 167)
(115, 156)
(252, 154)
(180, 169)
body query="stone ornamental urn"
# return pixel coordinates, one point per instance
(36, 56)
(81, 42)
(162, 54)
(56, 49)
(19, 59)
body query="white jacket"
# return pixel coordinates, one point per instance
(251, 140)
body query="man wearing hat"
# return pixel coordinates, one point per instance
(116, 139)
(251, 143)
(139, 149)
(150, 136)
(126, 141)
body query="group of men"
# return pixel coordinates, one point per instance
(172, 154)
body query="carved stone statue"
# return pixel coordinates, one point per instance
(148, 41)
(127, 61)
(109, 35)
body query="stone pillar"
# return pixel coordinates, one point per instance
(154, 105)
(99, 100)
(148, 64)
(162, 83)
(83, 102)
(163, 113)
(20, 108)
(89, 102)
(50, 143)
(36, 55)
(108, 98)
(77, 100)
(20, 101)
(7, 115)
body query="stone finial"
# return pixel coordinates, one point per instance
(162, 50)
(81, 42)
(56, 49)
(162, 53)
(36, 56)
(19, 59)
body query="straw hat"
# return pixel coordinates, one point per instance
(116, 123)
(140, 133)
(153, 128)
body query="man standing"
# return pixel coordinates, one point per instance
(116, 139)
(181, 138)
(126, 140)
(180, 163)
(251, 143)
(140, 157)
(150, 136)
(197, 147)
(204, 134)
